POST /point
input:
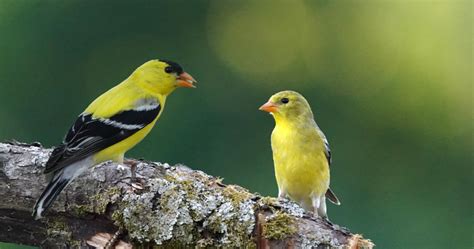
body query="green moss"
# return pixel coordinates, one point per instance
(117, 217)
(58, 227)
(179, 209)
(138, 213)
(57, 224)
(188, 187)
(279, 226)
(98, 202)
(205, 243)
(269, 201)
(102, 199)
(79, 210)
(169, 178)
(236, 194)
(173, 244)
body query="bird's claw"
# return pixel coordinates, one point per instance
(121, 167)
(133, 167)
(137, 186)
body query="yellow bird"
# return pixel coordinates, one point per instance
(301, 153)
(112, 124)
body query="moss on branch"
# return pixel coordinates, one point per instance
(177, 207)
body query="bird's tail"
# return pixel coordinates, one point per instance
(50, 193)
(332, 197)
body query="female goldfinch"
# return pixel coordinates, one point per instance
(301, 153)
(112, 124)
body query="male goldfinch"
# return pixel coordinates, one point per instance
(112, 124)
(301, 153)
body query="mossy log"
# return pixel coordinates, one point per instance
(177, 207)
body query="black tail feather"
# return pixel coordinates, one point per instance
(50, 193)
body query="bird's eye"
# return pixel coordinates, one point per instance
(168, 69)
(285, 100)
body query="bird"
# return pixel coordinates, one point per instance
(111, 125)
(301, 153)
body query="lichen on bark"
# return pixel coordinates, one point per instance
(177, 207)
(182, 207)
(279, 226)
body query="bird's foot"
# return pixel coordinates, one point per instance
(282, 195)
(136, 186)
(133, 167)
(135, 182)
(318, 216)
(121, 167)
(325, 218)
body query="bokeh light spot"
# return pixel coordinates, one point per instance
(261, 39)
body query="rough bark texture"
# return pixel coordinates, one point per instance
(178, 207)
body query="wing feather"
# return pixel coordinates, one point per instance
(327, 152)
(89, 134)
(327, 149)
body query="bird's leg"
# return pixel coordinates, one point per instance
(133, 167)
(282, 194)
(136, 185)
(322, 207)
(316, 203)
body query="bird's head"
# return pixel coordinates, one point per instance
(162, 77)
(287, 105)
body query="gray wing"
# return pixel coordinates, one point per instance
(327, 151)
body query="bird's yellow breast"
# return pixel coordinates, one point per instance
(301, 168)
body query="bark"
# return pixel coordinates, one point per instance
(177, 207)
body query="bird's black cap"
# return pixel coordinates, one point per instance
(175, 67)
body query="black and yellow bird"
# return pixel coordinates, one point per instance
(112, 124)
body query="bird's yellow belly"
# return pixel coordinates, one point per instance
(301, 168)
(116, 152)
(303, 178)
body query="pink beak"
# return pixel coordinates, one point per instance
(268, 107)
(186, 80)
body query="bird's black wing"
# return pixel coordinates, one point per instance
(89, 134)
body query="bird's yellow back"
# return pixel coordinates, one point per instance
(124, 95)
(139, 85)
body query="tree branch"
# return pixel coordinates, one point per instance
(177, 207)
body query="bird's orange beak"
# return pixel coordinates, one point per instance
(186, 80)
(268, 107)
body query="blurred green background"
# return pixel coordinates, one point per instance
(390, 83)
